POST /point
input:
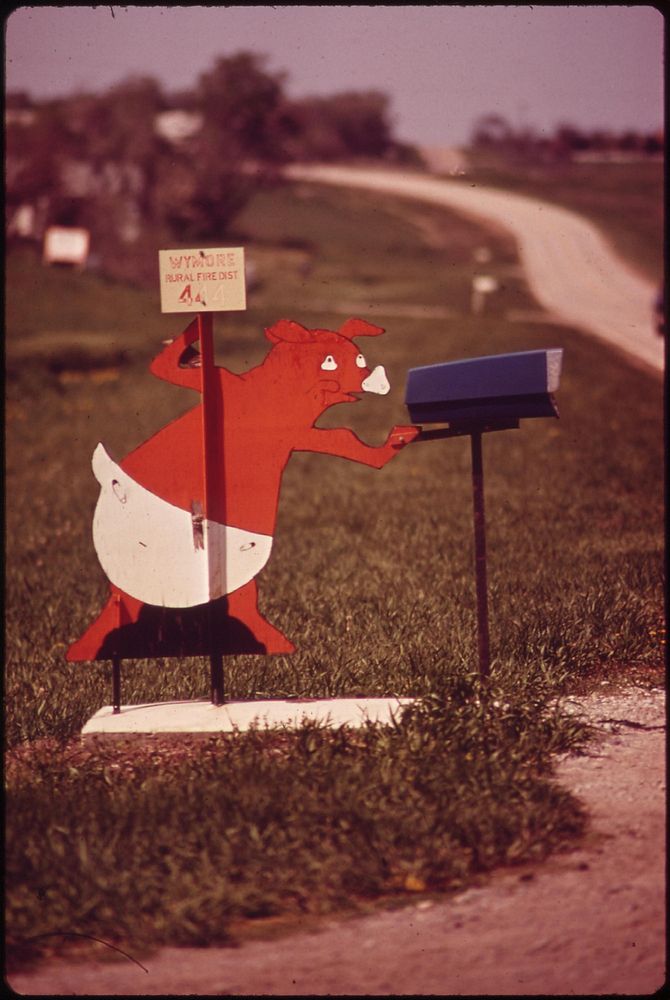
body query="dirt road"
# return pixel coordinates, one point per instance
(589, 921)
(571, 269)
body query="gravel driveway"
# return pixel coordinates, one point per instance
(571, 269)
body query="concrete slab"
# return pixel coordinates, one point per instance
(239, 716)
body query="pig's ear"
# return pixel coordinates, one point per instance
(288, 330)
(359, 328)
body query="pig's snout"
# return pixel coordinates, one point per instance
(376, 382)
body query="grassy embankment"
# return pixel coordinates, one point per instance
(371, 575)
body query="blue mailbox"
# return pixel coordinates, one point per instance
(488, 390)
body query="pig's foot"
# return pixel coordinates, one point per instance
(121, 609)
(243, 604)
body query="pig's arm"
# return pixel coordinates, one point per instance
(343, 443)
(172, 364)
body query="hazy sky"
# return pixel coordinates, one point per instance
(442, 65)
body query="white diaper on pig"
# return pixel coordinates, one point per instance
(155, 552)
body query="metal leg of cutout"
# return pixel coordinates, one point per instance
(116, 685)
(216, 673)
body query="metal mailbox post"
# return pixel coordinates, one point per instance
(473, 397)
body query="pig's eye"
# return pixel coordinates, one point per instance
(329, 364)
(360, 361)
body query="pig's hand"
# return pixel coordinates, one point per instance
(190, 357)
(178, 359)
(399, 437)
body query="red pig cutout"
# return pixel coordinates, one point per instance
(180, 539)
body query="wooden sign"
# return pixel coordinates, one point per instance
(202, 280)
(484, 283)
(66, 245)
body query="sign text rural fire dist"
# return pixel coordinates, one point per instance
(208, 280)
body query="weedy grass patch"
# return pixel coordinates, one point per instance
(163, 842)
(371, 575)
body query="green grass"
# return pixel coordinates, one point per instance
(626, 200)
(371, 575)
(170, 844)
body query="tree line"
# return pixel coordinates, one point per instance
(137, 160)
(565, 142)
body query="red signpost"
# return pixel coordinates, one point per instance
(214, 486)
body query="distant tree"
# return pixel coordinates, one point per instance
(199, 188)
(492, 131)
(629, 141)
(341, 126)
(653, 144)
(118, 125)
(18, 100)
(568, 139)
(362, 121)
(35, 151)
(110, 162)
(196, 195)
(116, 136)
(243, 109)
(313, 135)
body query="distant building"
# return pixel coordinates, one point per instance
(20, 116)
(66, 245)
(178, 126)
(22, 223)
